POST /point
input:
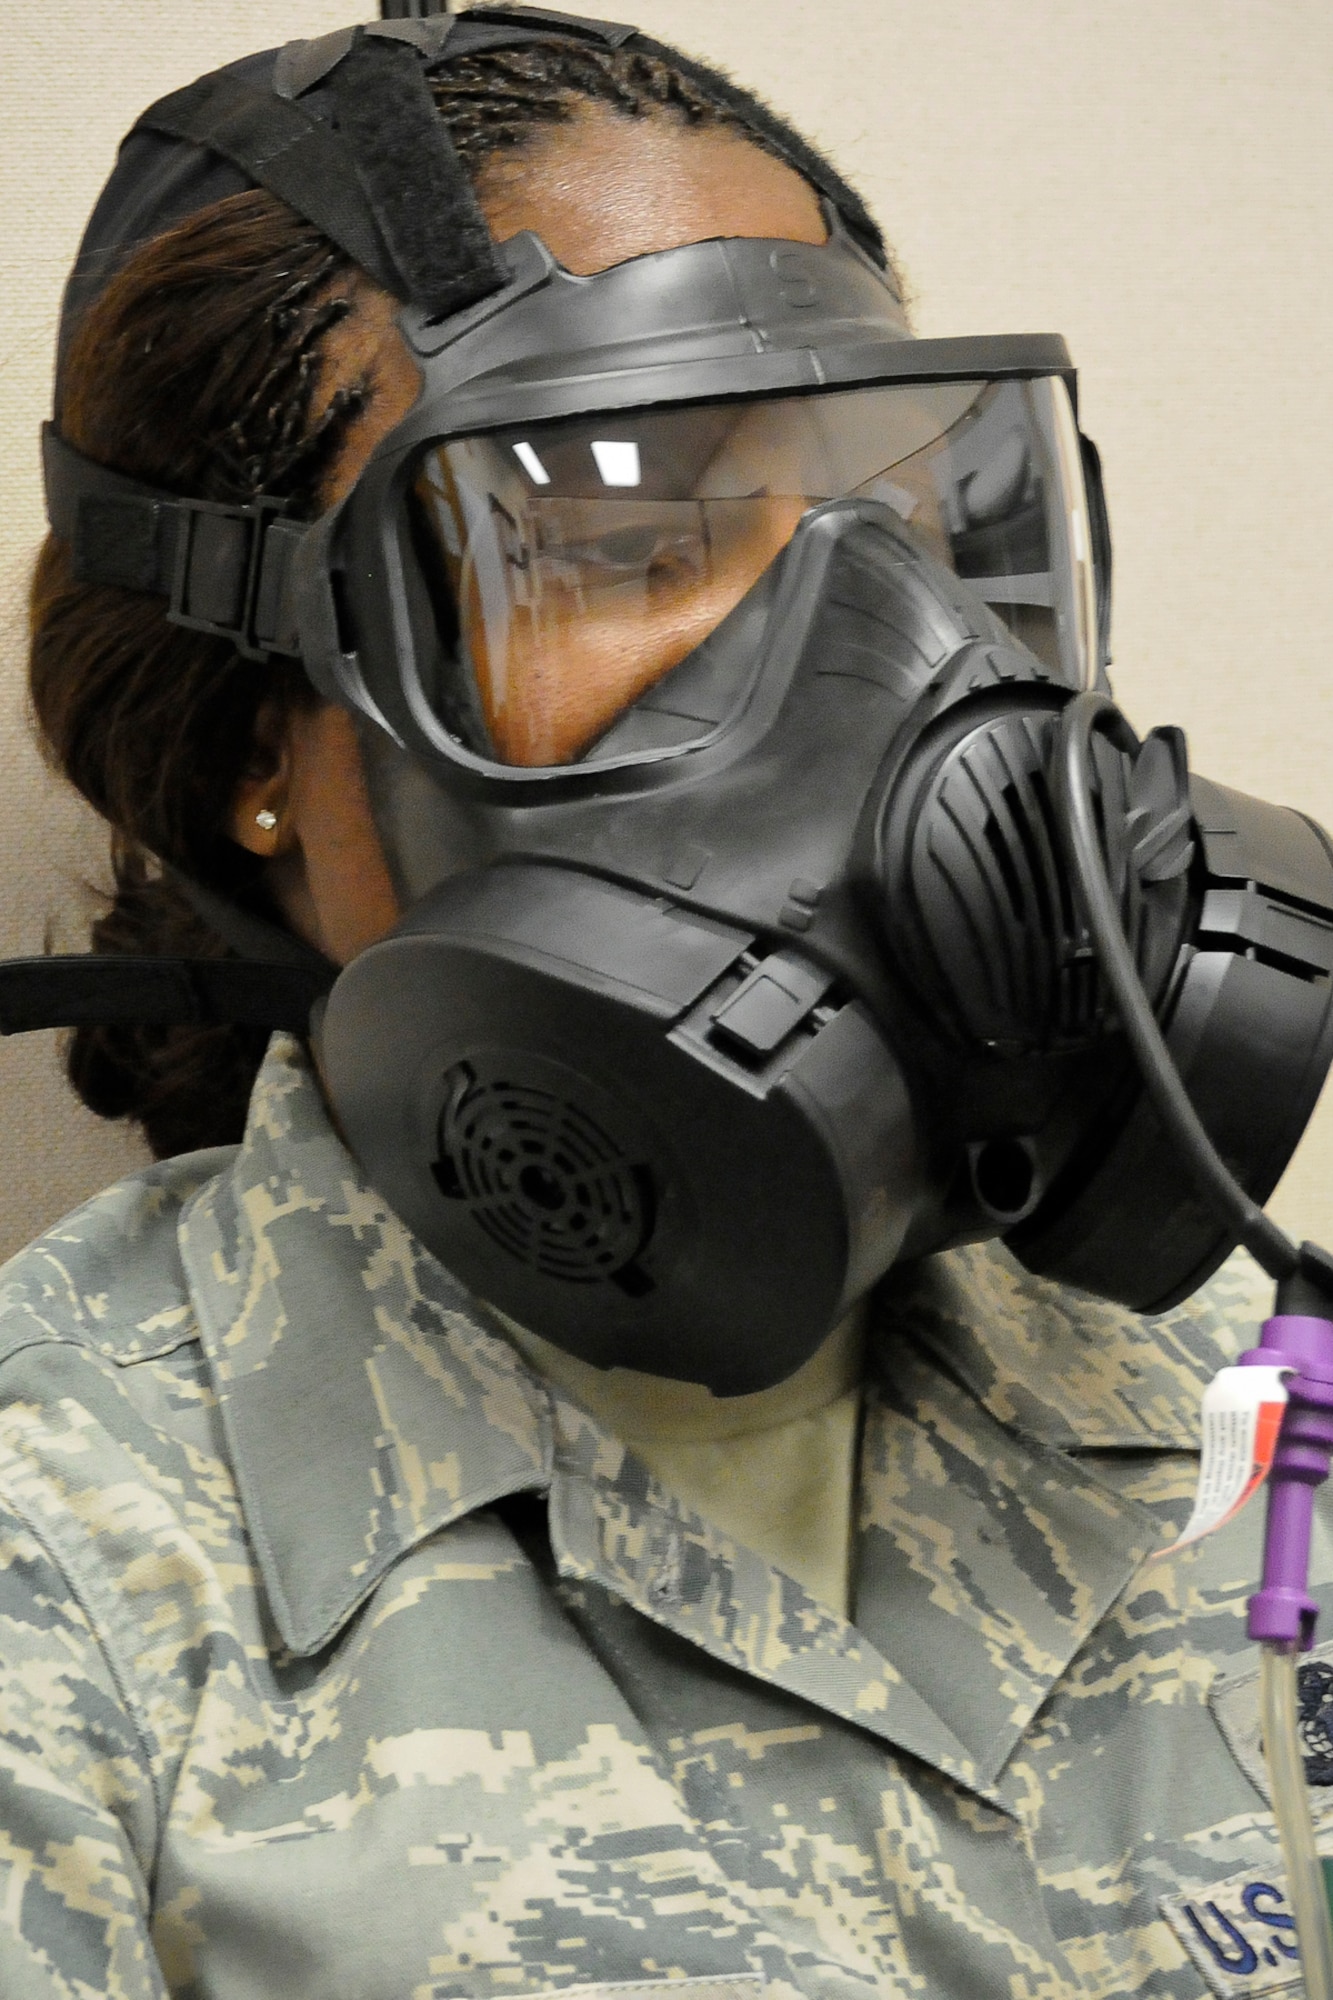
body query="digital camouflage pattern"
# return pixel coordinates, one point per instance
(300, 1699)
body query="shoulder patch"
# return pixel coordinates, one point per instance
(1314, 1688)
(1234, 1700)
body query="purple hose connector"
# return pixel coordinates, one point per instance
(1282, 1609)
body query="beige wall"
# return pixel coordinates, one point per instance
(1152, 178)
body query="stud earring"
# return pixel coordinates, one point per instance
(268, 820)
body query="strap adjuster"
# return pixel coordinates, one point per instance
(218, 571)
(224, 567)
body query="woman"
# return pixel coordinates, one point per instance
(357, 1641)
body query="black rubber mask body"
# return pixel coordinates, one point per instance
(682, 1044)
(693, 1048)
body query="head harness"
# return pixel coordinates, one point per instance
(343, 129)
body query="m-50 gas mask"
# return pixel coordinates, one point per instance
(710, 639)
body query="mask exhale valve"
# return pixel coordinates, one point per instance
(1298, 1339)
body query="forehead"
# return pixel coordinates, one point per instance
(605, 187)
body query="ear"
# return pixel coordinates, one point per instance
(260, 819)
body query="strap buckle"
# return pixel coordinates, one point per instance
(218, 572)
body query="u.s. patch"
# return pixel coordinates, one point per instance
(1240, 1933)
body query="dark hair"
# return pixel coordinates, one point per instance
(197, 369)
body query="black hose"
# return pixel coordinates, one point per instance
(1074, 780)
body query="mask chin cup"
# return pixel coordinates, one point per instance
(725, 1165)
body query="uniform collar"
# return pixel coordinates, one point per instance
(1061, 1367)
(369, 1401)
(366, 1403)
(990, 1547)
(612, 1524)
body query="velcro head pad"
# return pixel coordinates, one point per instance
(414, 183)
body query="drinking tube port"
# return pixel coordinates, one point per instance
(1282, 1610)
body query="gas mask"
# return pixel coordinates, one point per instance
(710, 640)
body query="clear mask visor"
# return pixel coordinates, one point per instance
(564, 569)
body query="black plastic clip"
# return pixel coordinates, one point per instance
(217, 571)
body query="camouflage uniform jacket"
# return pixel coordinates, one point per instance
(339, 1660)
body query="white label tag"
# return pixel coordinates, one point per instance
(1242, 1415)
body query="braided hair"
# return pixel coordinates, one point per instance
(198, 370)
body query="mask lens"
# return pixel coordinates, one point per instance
(570, 567)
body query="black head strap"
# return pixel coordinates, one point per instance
(223, 568)
(362, 155)
(276, 981)
(285, 147)
(539, 22)
(413, 180)
(95, 989)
